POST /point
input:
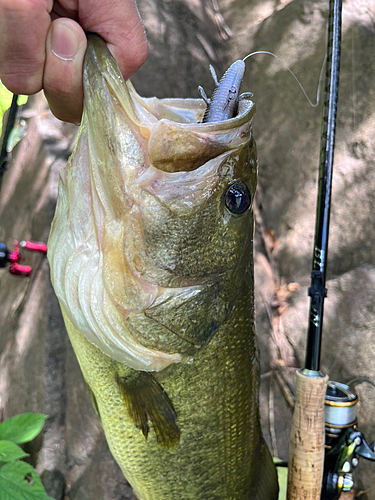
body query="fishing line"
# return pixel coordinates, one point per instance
(294, 76)
(360, 380)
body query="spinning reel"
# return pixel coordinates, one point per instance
(14, 257)
(345, 444)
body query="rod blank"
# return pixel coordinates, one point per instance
(317, 290)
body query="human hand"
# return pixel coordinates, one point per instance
(42, 46)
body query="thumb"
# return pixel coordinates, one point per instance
(62, 81)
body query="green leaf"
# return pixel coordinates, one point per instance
(22, 428)
(5, 101)
(282, 473)
(9, 452)
(19, 481)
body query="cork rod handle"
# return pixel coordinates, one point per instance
(306, 450)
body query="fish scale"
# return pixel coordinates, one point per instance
(181, 416)
(221, 436)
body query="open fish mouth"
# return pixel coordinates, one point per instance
(142, 238)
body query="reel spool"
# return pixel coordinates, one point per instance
(339, 409)
(344, 442)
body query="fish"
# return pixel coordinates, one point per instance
(151, 259)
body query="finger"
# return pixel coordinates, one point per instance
(66, 46)
(118, 22)
(24, 26)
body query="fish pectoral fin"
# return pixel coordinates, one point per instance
(146, 401)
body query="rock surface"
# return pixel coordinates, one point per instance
(38, 369)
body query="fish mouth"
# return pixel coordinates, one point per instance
(178, 140)
(170, 130)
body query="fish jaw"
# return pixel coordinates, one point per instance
(143, 166)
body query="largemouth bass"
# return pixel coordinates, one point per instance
(151, 259)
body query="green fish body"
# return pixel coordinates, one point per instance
(151, 259)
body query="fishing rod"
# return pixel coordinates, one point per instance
(14, 257)
(306, 452)
(8, 128)
(325, 442)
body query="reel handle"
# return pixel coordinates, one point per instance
(306, 450)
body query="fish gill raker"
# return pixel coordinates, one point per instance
(224, 101)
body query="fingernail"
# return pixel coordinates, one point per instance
(64, 41)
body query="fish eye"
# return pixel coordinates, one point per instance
(237, 198)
